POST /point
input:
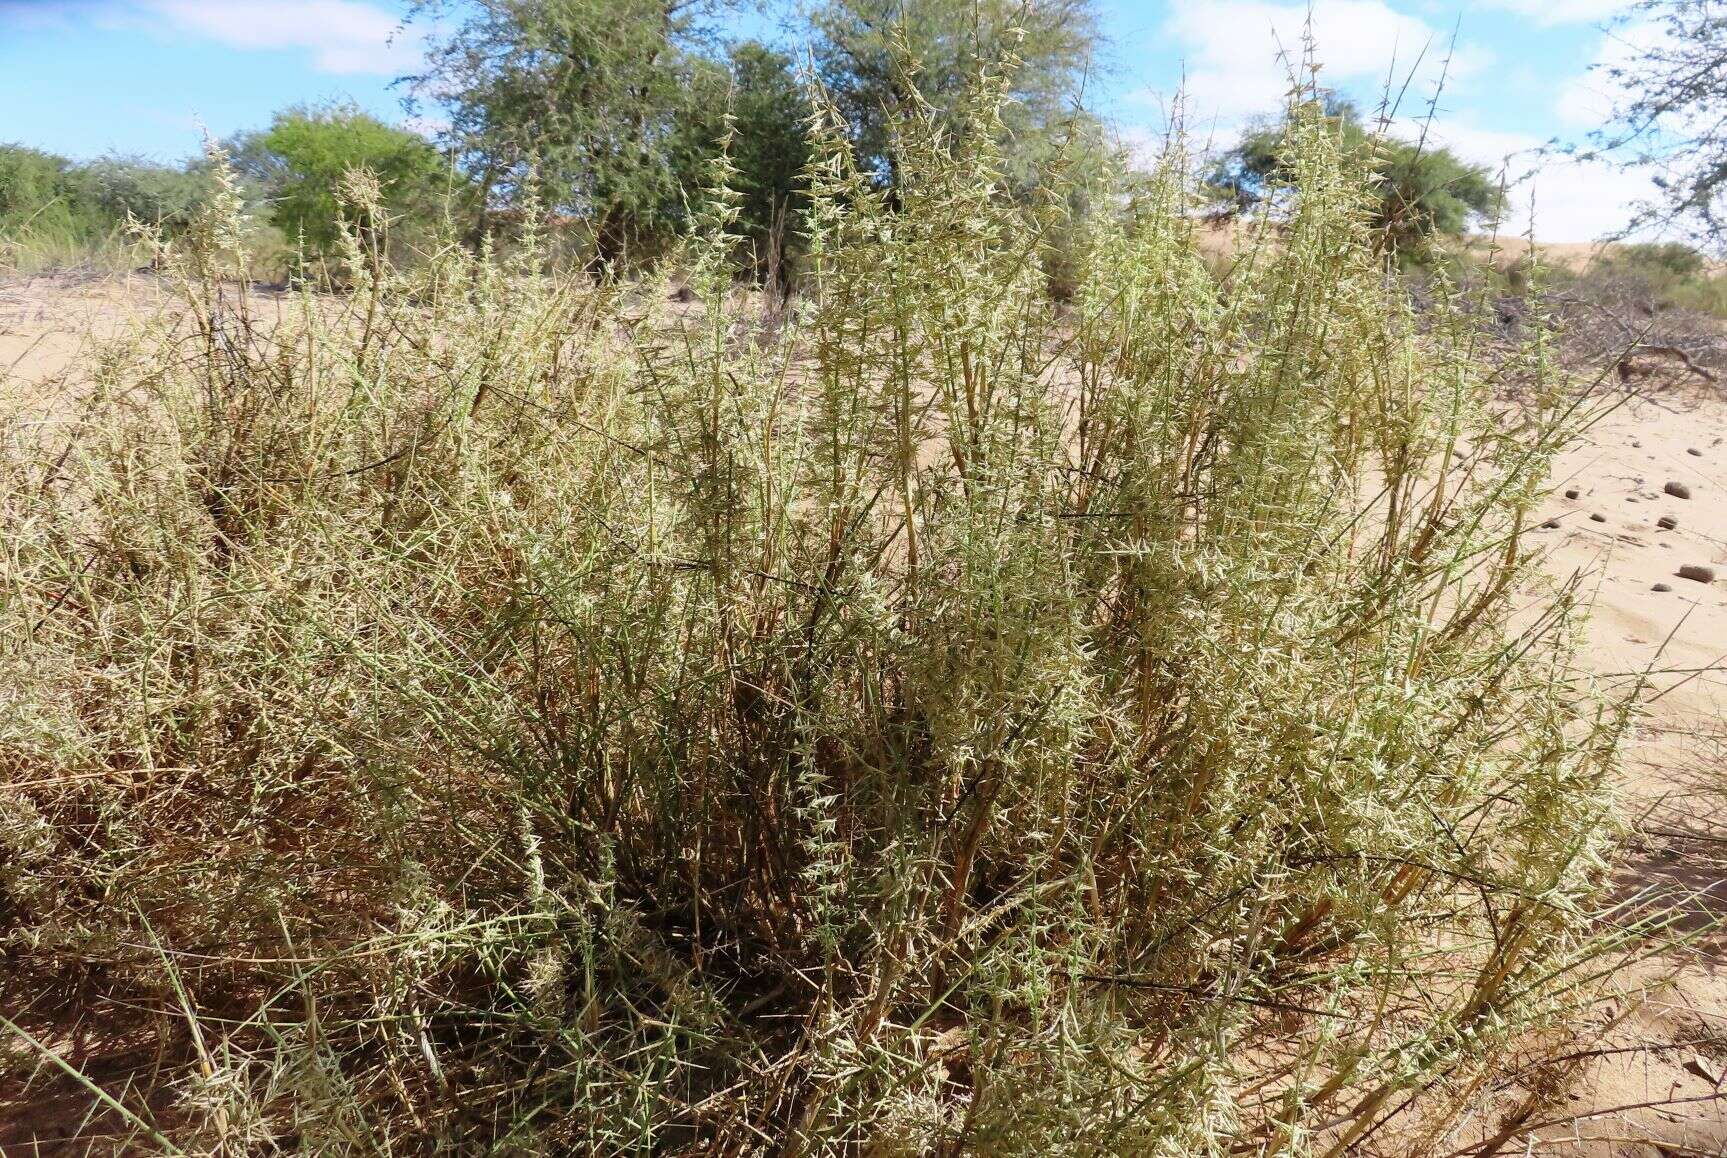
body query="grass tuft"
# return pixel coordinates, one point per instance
(496, 711)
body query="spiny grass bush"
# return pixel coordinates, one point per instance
(497, 712)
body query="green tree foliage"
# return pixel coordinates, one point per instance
(616, 107)
(753, 104)
(1664, 276)
(32, 183)
(41, 189)
(300, 162)
(770, 145)
(876, 57)
(603, 106)
(881, 62)
(1422, 191)
(125, 188)
(1671, 259)
(59, 210)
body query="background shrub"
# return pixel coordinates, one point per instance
(123, 188)
(34, 189)
(1422, 192)
(299, 166)
(1672, 275)
(54, 211)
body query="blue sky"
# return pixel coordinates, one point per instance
(84, 77)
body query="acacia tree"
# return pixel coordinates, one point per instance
(770, 147)
(617, 106)
(872, 55)
(1673, 114)
(596, 98)
(1422, 191)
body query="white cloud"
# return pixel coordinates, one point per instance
(1494, 148)
(343, 36)
(1232, 73)
(1231, 49)
(1587, 100)
(1563, 11)
(1584, 200)
(1584, 101)
(1568, 200)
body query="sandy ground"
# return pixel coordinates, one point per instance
(1653, 1080)
(1668, 1056)
(46, 322)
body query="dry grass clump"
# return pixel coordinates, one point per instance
(497, 712)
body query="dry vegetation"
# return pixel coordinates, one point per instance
(496, 712)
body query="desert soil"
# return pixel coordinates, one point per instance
(1653, 1083)
(1612, 520)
